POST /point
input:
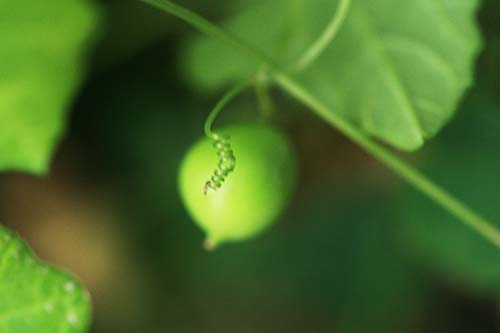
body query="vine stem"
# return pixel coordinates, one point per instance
(405, 171)
(326, 36)
(228, 96)
(455, 207)
(263, 94)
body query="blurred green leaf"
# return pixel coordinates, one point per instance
(465, 160)
(36, 297)
(397, 69)
(210, 64)
(43, 44)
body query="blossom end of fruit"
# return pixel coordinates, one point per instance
(210, 244)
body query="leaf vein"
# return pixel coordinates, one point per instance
(430, 54)
(452, 26)
(390, 73)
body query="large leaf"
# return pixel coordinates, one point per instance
(41, 65)
(35, 297)
(397, 69)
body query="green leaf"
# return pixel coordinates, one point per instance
(397, 69)
(36, 297)
(43, 43)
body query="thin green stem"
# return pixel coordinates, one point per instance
(228, 96)
(405, 171)
(481, 225)
(263, 94)
(210, 29)
(326, 37)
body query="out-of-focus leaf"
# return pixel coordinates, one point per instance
(43, 44)
(210, 64)
(397, 69)
(36, 297)
(465, 161)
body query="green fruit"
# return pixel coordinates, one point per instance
(252, 196)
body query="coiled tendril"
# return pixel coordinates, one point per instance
(227, 161)
(226, 165)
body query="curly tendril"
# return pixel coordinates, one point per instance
(226, 165)
(227, 160)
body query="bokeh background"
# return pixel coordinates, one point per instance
(357, 251)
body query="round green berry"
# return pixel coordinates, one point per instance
(252, 196)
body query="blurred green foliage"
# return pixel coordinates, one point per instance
(465, 160)
(43, 51)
